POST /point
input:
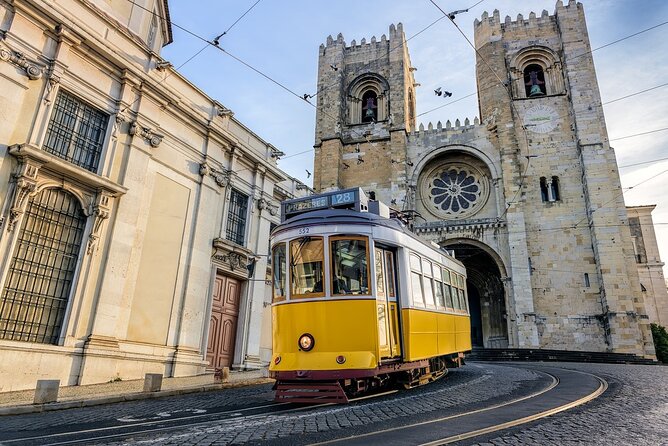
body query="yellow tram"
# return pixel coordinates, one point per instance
(359, 301)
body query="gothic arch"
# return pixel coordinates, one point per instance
(443, 151)
(487, 294)
(543, 57)
(364, 84)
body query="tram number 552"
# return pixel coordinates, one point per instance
(303, 231)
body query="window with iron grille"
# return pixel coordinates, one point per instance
(236, 217)
(39, 280)
(76, 132)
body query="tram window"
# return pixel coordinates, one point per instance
(416, 283)
(278, 263)
(306, 267)
(428, 287)
(389, 266)
(350, 266)
(448, 296)
(446, 276)
(438, 287)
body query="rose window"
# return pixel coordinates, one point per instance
(454, 190)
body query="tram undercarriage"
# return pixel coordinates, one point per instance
(317, 387)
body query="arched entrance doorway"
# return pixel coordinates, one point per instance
(487, 299)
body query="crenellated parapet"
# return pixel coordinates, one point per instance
(396, 33)
(490, 25)
(444, 131)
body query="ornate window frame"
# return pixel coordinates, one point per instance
(357, 89)
(545, 58)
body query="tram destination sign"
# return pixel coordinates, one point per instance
(344, 199)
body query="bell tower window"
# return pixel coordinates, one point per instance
(368, 99)
(369, 106)
(534, 81)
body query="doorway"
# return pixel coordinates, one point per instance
(223, 325)
(486, 296)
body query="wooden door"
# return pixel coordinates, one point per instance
(223, 326)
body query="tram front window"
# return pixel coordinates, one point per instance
(278, 261)
(306, 267)
(350, 260)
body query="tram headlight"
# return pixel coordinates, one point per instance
(306, 342)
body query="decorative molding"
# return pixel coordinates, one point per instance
(101, 212)
(222, 111)
(263, 204)
(163, 65)
(150, 136)
(231, 258)
(51, 84)
(32, 70)
(119, 119)
(25, 184)
(221, 177)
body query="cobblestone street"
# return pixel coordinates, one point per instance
(631, 411)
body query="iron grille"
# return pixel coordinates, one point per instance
(39, 280)
(236, 217)
(76, 132)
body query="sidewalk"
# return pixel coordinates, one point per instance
(21, 401)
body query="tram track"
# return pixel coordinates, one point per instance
(563, 389)
(106, 434)
(476, 423)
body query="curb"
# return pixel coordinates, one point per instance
(137, 396)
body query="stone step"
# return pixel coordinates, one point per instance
(519, 354)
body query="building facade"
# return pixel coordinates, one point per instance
(135, 210)
(528, 196)
(648, 260)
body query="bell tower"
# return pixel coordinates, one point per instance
(564, 207)
(365, 107)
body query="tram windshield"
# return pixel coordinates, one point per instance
(306, 267)
(350, 260)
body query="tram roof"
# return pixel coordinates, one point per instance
(345, 216)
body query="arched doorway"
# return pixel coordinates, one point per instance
(486, 293)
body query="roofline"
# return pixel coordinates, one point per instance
(168, 20)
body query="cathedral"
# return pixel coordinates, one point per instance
(528, 196)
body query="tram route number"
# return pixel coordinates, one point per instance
(344, 198)
(303, 231)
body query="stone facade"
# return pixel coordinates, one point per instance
(116, 179)
(648, 260)
(528, 196)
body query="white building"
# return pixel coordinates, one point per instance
(131, 203)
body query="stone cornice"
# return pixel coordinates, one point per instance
(445, 226)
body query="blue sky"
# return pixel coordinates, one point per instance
(281, 39)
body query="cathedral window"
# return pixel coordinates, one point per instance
(369, 106)
(587, 284)
(42, 270)
(536, 71)
(549, 189)
(76, 132)
(534, 81)
(455, 190)
(368, 99)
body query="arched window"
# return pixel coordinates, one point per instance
(554, 188)
(549, 189)
(369, 106)
(534, 81)
(41, 273)
(368, 99)
(543, 188)
(536, 71)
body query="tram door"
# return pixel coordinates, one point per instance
(386, 304)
